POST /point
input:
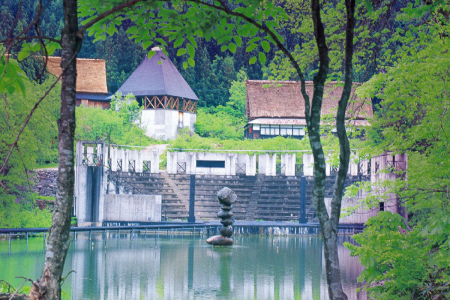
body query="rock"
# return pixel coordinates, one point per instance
(226, 196)
(219, 240)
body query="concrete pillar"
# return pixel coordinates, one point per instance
(230, 164)
(191, 161)
(353, 166)
(105, 155)
(288, 160)
(308, 164)
(250, 165)
(172, 160)
(155, 161)
(139, 161)
(125, 160)
(113, 155)
(271, 167)
(262, 163)
(79, 154)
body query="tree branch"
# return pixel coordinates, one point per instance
(264, 28)
(117, 8)
(26, 122)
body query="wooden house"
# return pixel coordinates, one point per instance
(168, 101)
(277, 108)
(91, 89)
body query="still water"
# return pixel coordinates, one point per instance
(185, 267)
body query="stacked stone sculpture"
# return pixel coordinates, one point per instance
(226, 198)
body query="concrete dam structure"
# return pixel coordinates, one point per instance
(121, 185)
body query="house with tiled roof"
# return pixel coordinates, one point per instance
(169, 104)
(91, 89)
(277, 108)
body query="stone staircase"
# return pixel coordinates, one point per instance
(268, 198)
(174, 191)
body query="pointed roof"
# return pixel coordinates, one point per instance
(153, 79)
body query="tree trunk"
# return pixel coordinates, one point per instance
(58, 238)
(329, 224)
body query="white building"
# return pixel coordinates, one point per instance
(169, 103)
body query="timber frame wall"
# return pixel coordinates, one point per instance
(171, 103)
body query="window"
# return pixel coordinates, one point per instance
(210, 164)
(265, 130)
(298, 130)
(381, 206)
(274, 130)
(256, 127)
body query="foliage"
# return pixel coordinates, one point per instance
(219, 123)
(412, 118)
(402, 264)
(238, 93)
(17, 216)
(225, 122)
(110, 125)
(187, 141)
(127, 107)
(37, 145)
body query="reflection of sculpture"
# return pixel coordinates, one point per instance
(226, 197)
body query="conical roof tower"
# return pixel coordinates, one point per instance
(157, 76)
(169, 102)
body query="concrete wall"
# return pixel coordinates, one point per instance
(137, 156)
(90, 182)
(132, 208)
(163, 124)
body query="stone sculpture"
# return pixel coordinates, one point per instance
(226, 198)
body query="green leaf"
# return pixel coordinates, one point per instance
(224, 48)
(255, 39)
(111, 30)
(232, 47)
(150, 54)
(252, 60)
(251, 48)
(185, 65)
(265, 45)
(23, 54)
(238, 40)
(191, 50)
(181, 51)
(262, 58)
(178, 42)
(52, 46)
(191, 62)
(146, 44)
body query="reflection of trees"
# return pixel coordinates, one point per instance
(257, 267)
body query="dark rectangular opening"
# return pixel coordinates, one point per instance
(381, 206)
(210, 164)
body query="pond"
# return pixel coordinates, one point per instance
(185, 267)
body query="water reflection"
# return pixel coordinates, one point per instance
(257, 267)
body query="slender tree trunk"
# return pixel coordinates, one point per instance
(58, 239)
(329, 224)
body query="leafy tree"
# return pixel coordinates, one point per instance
(219, 123)
(238, 93)
(412, 118)
(37, 146)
